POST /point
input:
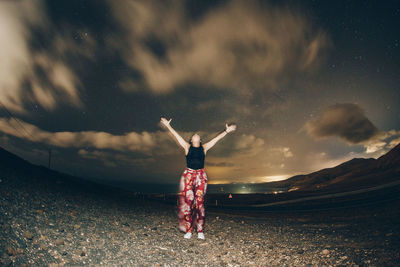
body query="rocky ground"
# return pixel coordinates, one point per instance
(55, 224)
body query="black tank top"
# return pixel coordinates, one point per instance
(195, 157)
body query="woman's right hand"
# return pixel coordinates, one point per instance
(230, 128)
(164, 121)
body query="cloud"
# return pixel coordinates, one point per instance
(283, 151)
(374, 146)
(346, 121)
(286, 152)
(131, 141)
(112, 159)
(382, 142)
(394, 142)
(248, 143)
(32, 73)
(220, 164)
(238, 45)
(143, 142)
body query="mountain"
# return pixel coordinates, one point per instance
(13, 166)
(351, 175)
(21, 171)
(390, 159)
(8, 159)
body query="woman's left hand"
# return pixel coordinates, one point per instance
(230, 128)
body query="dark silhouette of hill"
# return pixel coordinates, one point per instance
(390, 159)
(350, 175)
(24, 172)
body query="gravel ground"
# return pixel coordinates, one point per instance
(52, 223)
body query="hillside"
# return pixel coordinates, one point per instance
(13, 166)
(351, 175)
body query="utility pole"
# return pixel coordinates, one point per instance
(49, 157)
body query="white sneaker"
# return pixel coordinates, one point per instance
(200, 235)
(188, 235)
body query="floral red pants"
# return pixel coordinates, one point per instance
(191, 211)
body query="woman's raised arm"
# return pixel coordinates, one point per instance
(179, 138)
(222, 134)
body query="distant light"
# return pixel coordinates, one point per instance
(293, 188)
(243, 191)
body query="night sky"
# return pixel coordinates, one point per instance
(310, 84)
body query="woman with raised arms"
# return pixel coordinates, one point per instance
(193, 182)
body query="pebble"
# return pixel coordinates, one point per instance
(28, 235)
(59, 242)
(325, 251)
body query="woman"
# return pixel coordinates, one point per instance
(193, 183)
